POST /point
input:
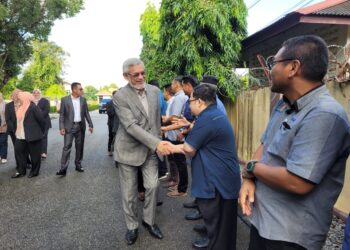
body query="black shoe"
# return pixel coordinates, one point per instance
(195, 215)
(200, 228)
(159, 203)
(153, 230)
(31, 175)
(62, 172)
(79, 169)
(201, 244)
(17, 175)
(131, 236)
(191, 204)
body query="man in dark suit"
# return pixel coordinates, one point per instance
(44, 106)
(112, 116)
(73, 113)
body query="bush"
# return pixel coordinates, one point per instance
(93, 106)
(53, 109)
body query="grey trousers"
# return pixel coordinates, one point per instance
(78, 134)
(128, 183)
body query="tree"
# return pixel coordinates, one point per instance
(45, 67)
(90, 93)
(21, 22)
(196, 37)
(55, 91)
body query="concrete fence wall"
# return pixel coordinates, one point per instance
(250, 113)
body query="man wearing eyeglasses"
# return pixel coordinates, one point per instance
(137, 141)
(295, 177)
(73, 113)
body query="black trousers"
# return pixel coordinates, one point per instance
(44, 142)
(22, 149)
(180, 161)
(259, 243)
(111, 135)
(77, 134)
(220, 219)
(3, 145)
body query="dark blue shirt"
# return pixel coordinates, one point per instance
(215, 164)
(163, 104)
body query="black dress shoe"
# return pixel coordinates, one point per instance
(131, 236)
(31, 175)
(17, 175)
(201, 244)
(159, 203)
(153, 230)
(79, 169)
(195, 215)
(191, 204)
(62, 172)
(200, 228)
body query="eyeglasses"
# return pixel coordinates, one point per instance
(271, 62)
(137, 74)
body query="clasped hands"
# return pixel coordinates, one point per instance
(167, 148)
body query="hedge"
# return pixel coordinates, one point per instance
(91, 107)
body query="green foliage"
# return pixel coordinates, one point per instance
(21, 22)
(109, 88)
(90, 92)
(45, 67)
(93, 106)
(195, 37)
(55, 92)
(9, 88)
(53, 109)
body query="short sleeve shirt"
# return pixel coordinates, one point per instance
(215, 166)
(312, 140)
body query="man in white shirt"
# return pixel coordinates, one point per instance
(73, 113)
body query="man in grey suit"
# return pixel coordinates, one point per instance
(136, 144)
(73, 113)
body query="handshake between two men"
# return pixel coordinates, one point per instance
(166, 147)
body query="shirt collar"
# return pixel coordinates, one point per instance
(179, 92)
(75, 98)
(305, 99)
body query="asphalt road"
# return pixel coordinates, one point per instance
(83, 210)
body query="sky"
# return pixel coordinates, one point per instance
(106, 32)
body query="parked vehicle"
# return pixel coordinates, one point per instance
(102, 108)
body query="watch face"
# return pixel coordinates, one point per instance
(250, 166)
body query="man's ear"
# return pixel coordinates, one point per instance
(294, 68)
(126, 77)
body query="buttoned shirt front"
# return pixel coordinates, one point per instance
(311, 139)
(76, 106)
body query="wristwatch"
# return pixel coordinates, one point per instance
(250, 166)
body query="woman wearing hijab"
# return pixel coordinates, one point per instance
(3, 131)
(29, 133)
(44, 106)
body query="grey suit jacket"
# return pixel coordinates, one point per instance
(138, 134)
(67, 113)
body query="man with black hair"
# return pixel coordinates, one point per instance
(215, 169)
(295, 177)
(73, 113)
(176, 109)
